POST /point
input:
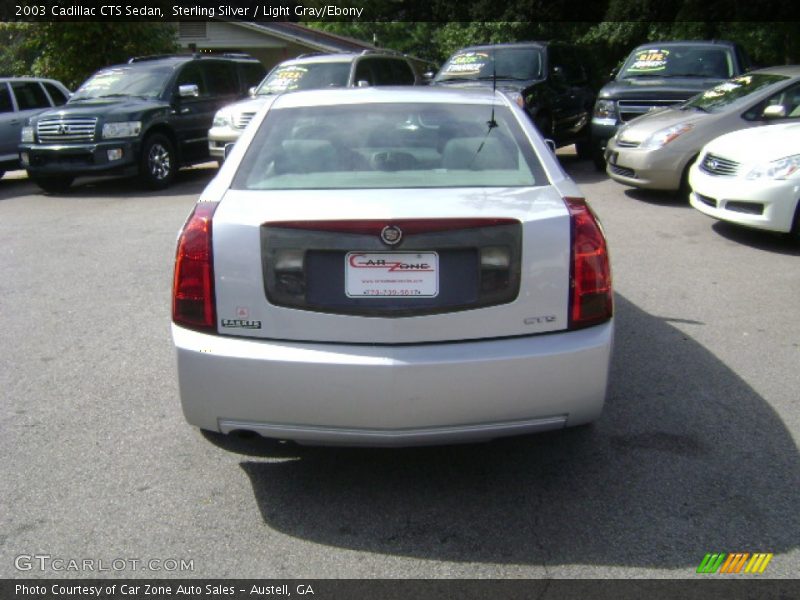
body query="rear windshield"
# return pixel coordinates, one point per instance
(504, 63)
(678, 61)
(147, 82)
(389, 146)
(307, 76)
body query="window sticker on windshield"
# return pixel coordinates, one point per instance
(101, 81)
(649, 60)
(469, 63)
(287, 78)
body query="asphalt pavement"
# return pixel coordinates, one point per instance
(697, 450)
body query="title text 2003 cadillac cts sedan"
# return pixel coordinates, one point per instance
(391, 267)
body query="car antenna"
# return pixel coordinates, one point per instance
(492, 123)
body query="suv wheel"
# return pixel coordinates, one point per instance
(584, 149)
(52, 185)
(544, 125)
(158, 163)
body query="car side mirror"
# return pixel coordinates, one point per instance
(362, 83)
(228, 150)
(188, 91)
(774, 111)
(252, 91)
(428, 76)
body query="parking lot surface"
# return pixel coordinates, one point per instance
(697, 450)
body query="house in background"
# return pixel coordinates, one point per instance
(270, 42)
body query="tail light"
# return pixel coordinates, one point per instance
(193, 284)
(591, 296)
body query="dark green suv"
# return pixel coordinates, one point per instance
(146, 117)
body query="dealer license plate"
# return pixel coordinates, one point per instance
(391, 274)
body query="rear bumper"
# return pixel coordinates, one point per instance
(393, 395)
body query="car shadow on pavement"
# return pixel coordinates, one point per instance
(661, 198)
(581, 170)
(187, 182)
(687, 459)
(777, 243)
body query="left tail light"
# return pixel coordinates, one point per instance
(591, 295)
(193, 303)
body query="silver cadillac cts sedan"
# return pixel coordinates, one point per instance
(391, 266)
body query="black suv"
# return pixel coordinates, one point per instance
(147, 116)
(547, 79)
(661, 74)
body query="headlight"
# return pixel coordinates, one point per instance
(223, 119)
(516, 98)
(27, 135)
(604, 109)
(121, 129)
(665, 136)
(783, 168)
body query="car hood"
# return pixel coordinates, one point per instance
(657, 88)
(249, 105)
(117, 107)
(643, 127)
(758, 144)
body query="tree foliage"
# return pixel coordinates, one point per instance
(624, 25)
(70, 52)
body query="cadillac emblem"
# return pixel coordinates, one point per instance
(391, 235)
(63, 129)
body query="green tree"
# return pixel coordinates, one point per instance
(70, 52)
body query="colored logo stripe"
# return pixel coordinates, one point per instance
(711, 563)
(734, 562)
(758, 563)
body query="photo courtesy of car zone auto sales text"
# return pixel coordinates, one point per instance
(399, 300)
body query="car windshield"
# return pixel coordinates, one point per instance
(361, 146)
(504, 63)
(309, 76)
(124, 81)
(678, 61)
(733, 91)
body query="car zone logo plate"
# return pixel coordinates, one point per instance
(391, 274)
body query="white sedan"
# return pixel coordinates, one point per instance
(388, 266)
(751, 178)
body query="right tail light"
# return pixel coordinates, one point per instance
(591, 295)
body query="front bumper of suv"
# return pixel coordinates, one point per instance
(80, 159)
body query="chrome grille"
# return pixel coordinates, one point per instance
(630, 109)
(717, 165)
(60, 130)
(241, 120)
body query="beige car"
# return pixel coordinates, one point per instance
(656, 150)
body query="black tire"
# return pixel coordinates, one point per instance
(795, 232)
(584, 149)
(685, 189)
(158, 163)
(598, 157)
(57, 184)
